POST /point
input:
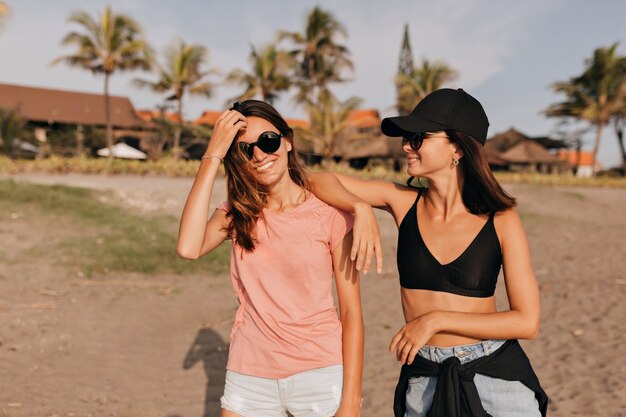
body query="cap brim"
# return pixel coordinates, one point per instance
(400, 125)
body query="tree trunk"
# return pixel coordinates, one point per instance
(176, 152)
(107, 115)
(596, 146)
(80, 141)
(619, 131)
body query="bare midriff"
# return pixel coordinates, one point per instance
(416, 303)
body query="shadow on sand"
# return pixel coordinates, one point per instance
(210, 349)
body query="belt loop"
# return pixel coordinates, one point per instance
(485, 347)
(431, 351)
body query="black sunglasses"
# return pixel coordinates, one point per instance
(268, 142)
(414, 140)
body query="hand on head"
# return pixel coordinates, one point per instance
(224, 132)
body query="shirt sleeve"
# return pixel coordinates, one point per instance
(341, 224)
(225, 207)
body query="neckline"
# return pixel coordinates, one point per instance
(419, 235)
(295, 209)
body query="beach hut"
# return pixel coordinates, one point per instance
(513, 150)
(47, 109)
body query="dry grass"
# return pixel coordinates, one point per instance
(171, 168)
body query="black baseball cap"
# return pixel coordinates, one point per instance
(440, 110)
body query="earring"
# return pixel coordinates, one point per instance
(455, 162)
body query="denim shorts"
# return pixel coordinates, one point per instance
(313, 393)
(499, 397)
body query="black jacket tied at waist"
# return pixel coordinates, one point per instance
(456, 394)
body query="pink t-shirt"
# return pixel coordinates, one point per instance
(287, 322)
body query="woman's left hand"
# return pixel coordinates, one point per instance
(411, 337)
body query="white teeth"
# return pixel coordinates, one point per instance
(265, 166)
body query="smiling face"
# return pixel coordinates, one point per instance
(435, 155)
(268, 168)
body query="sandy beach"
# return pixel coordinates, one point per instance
(135, 345)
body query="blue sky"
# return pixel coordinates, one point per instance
(507, 53)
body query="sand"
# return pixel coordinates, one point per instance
(157, 345)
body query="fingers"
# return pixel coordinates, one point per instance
(412, 354)
(355, 247)
(378, 250)
(394, 341)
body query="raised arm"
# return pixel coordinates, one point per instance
(358, 196)
(196, 235)
(521, 321)
(351, 316)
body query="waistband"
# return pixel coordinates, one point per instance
(465, 353)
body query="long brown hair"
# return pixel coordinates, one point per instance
(481, 191)
(246, 196)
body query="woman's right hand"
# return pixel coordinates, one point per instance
(366, 242)
(226, 127)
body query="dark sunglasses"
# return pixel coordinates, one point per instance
(268, 142)
(414, 140)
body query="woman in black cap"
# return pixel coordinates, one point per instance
(460, 355)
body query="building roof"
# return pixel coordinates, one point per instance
(208, 118)
(571, 156)
(149, 115)
(364, 118)
(501, 142)
(301, 123)
(528, 151)
(61, 106)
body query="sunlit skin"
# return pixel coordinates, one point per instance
(197, 236)
(447, 227)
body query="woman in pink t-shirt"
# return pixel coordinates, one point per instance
(290, 352)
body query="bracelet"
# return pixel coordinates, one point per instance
(212, 156)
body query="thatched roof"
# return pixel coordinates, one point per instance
(528, 151)
(61, 106)
(501, 142)
(495, 158)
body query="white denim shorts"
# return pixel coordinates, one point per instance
(313, 393)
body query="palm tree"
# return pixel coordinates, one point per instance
(619, 123)
(423, 80)
(595, 96)
(329, 121)
(181, 73)
(269, 75)
(109, 43)
(320, 59)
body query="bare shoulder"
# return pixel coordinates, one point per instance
(508, 224)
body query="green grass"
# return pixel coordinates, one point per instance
(105, 238)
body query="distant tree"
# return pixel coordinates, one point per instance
(328, 121)
(11, 127)
(105, 45)
(181, 73)
(319, 58)
(597, 95)
(269, 75)
(404, 96)
(423, 80)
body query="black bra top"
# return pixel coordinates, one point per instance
(474, 273)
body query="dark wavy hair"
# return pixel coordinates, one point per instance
(481, 191)
(246, 196)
